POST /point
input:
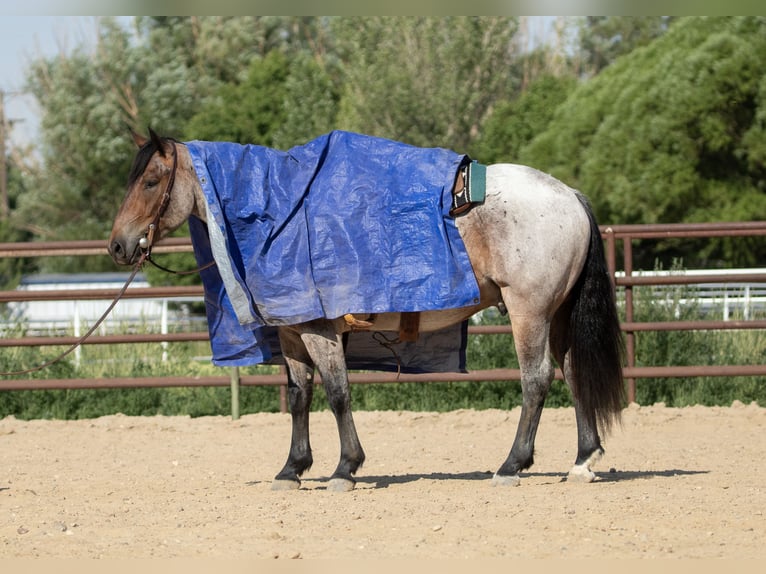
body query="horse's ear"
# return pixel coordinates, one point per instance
(157, 141)
(138, 139)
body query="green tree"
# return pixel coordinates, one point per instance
(672, 132)
(11, 228)
(246, 112)
(218, 49)
(73, 195)
(312, 94)
(514, 124)
(87, 100)
(425, 81)
(282, 101)
(603, 39)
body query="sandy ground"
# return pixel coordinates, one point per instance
(686, 483)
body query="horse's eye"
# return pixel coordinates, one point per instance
(150, 183)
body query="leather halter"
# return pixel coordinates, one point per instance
(147, 242)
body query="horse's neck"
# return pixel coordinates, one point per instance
(199, 210)
(192, 185)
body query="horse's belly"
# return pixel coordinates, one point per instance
(428, 321)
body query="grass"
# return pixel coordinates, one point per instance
(685, 348)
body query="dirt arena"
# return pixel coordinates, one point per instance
(674, 483)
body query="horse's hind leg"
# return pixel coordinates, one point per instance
(589, 449)
(300, 391)
(326, 349)
(531, 339)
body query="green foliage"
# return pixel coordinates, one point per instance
(12, 229)
(311, 102)
(660, 348)
(603, 39)
(666, 133)
(516, 123)
(248, 112)
(88, 102)
(93, 403)
(12, 268)
(282, 102)
(424, 81)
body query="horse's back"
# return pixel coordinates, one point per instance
(530, 236)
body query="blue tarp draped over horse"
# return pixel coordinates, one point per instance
(346, 223)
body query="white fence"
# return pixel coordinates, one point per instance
(730, 299)
(62, 317)
(727, 300)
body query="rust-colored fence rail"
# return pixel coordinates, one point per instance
(625, 279)
(627, 234)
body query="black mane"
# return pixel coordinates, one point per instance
(144, 154)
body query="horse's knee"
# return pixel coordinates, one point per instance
(299, 398)
(338, 396)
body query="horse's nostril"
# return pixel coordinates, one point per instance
(117, 249)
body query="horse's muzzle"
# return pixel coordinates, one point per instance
(123, 252)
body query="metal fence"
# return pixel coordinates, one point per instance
(625, 280)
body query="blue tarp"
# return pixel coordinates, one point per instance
(346, 223)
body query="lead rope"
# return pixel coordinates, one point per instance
(95, 326)
(173, 272)
(384, 341)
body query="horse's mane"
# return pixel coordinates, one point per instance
(144, 154)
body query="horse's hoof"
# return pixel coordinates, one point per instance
(581, 474)
(504, 480)
(282, 484)
(341, 485)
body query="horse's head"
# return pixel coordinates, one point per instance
(160, 197)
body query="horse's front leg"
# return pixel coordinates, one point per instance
(300, 391)
(325, 346)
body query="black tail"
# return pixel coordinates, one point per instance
(595, 340)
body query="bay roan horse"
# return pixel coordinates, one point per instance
(536, 250)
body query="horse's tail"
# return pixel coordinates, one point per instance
(595, 339)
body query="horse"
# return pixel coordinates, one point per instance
(537, 254)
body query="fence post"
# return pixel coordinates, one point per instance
(234, 393)
(611, 257)
(164, 328)
(630, 337)
(76, 332)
